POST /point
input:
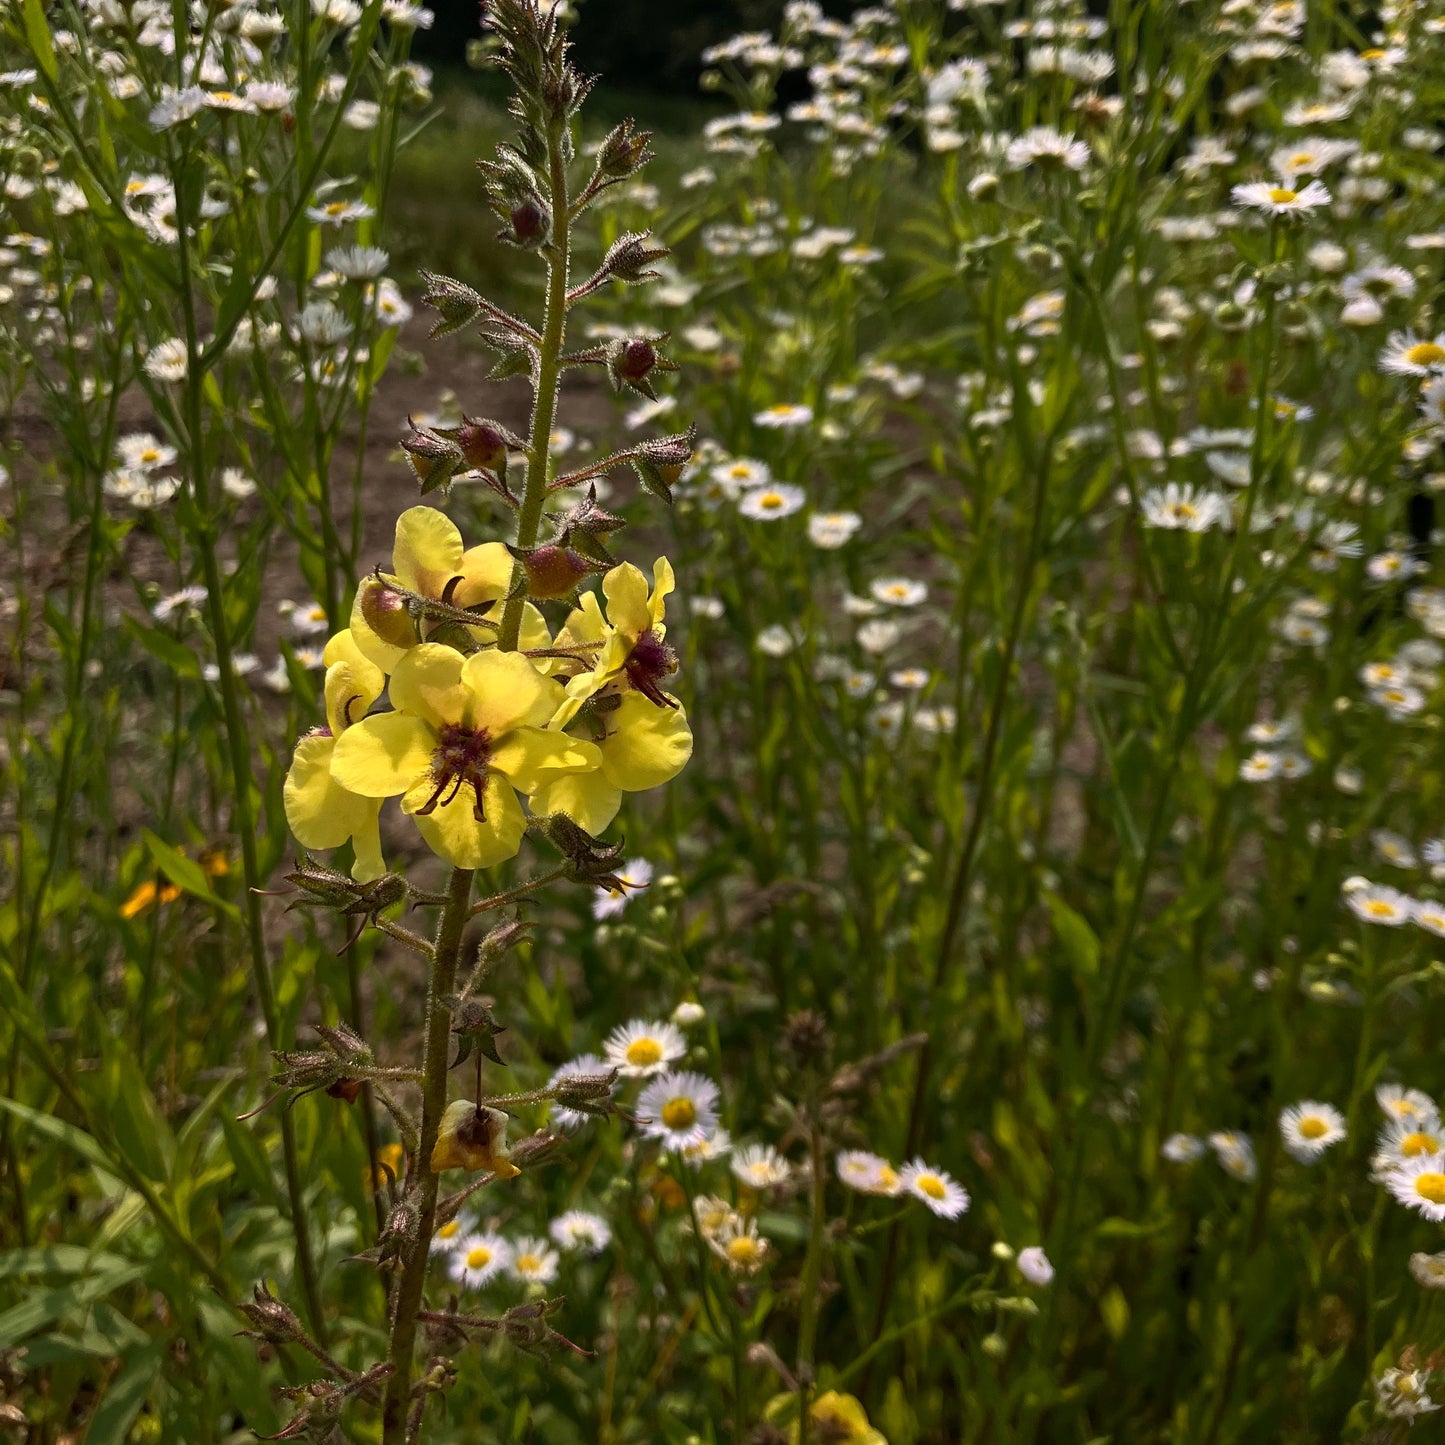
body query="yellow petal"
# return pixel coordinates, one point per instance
(507, 691)
(486, 573)
(427, 683)
(646, 745)
(380, 757)
(323, 814)
(584, 623)
(428, 550)
(353, 683)
(531, 757)
(627, 607)
(454, 832)
(587, 798)
(663, 582)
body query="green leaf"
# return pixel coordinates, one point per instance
(56, 1259)
(122, 1402)
(185, 872)
(86, 1145)
(37, 36)
(165, 648)
(1079, 941)
(44, 1307)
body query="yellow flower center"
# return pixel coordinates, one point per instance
(223, 95)
(336, 208)
(1379, 908)
(744, 1250)
(1302, 158)
(932, 1186)
(641, 1053)
(1183, 510)
(1424, 353)
(1372, 55)
(150, 454)
(679, 1113)
(479, 1258)
(771, 501)
(1313, 1127)
(528, 1264)
(449, 1229)
(1417, 1143)
(740, 469)
(1431, 1186)
(780, 410)
(887, 1178)
(1282, 196)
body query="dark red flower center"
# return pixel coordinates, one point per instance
(459, 761)
(651, 661)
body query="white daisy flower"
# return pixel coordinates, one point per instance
(711, 1147)
(1043, 146)
(1309, 1128)
(142, 452)
(1259, 767)
(1406, 354)
(784, 416)
(446, 1238)
(477, 1259)
(1392, 848)
(1429, 915)
(533, 1261)
(899, 591)
(1428, 1270)
(1406, 1139)
(741, 473)
(1375, 903)
(1412, 1105)
(737, 1241)
(580, 1230)
(358, 263)
(643, 1047)
(869, 1174)
(1235, 1154)
(187, 600)
(338, 213)
(1178, 507)
(1280, 199)
(679, 1108)
(1182, 1148)
(1419, 1184)
(1404, 1394)
(767, 504)
(831, 530)
(760, 1166)
(167, 360)
(937, 1190)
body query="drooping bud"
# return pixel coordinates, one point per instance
(386, 613)
(275, 1323)
(553, 571)
(630, 258)
(529, 225)
(473, 1137)
(486, 445)
(435, 458)
(458, 304)
(586, 1093)
(587, 527)
(623, 152)
(476, 1027)
(398, 1235)
(633, 362)
(660, 462)
(589, 861)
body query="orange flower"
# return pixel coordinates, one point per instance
(149, 892)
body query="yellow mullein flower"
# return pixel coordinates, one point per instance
(641, 732)
(641, 747)
(630, 643)
(429, 559)
(833, 1416)
(465, 738)
(473, 1137)
(321, 812)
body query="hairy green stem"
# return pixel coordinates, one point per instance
(422, 1179)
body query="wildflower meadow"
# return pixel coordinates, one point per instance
(749, 767)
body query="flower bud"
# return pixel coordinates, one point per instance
(623, 152)
(458, 304)
(630, 259)
(660, 462)
(386, 613)
(476, 1027)
(553, 571)
(275, 1322)
(530, 225)
(484, 445)
(472, 1137)
(434, 458)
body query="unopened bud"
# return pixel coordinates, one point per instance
(484, 445)
(434, 458)
(458, 304)
(630, 258)
(531, 225)
(623, 152)
(553, 571)
(385, 611)
(476, 1027)
(274, 1321)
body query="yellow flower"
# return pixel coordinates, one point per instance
(641, 747)
(641, 732)
(147, 893)
(322, 813)
(833, 1417)
(428, 559)
(473, 1137)
(465, 738)
(630, 642)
